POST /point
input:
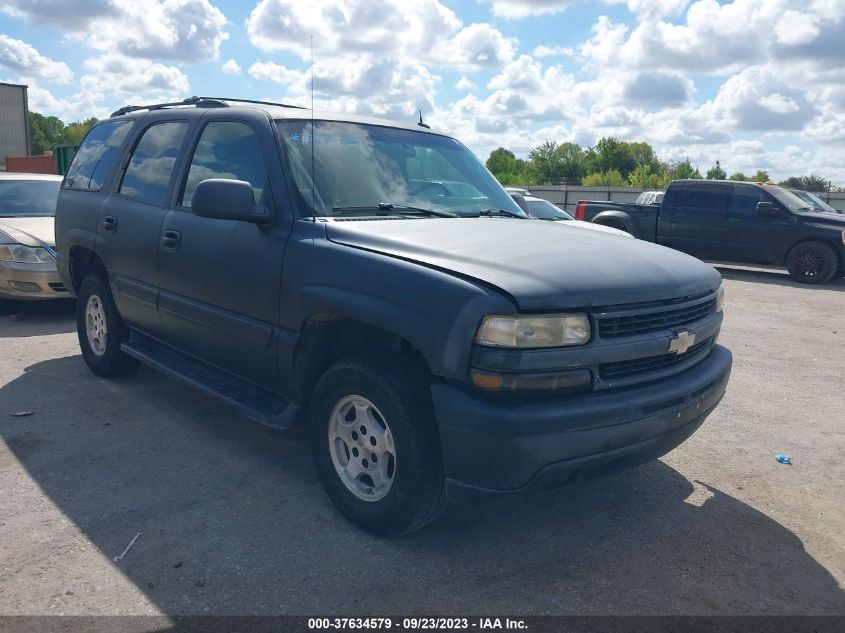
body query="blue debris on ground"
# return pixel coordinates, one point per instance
(783, 459)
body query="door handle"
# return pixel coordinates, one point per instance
(170, 240)
(110, 223)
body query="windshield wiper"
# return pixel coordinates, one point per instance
(397, 208)
(502, 212)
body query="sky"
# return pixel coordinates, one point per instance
(755, 84)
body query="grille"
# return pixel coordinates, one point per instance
(626, 368)
(610, 327)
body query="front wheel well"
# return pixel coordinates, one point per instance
(325, 339)
(84, 261)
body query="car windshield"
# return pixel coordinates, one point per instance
(545, 210)
(28, 197)
(362, 169)
(817, 203)
(789, 200)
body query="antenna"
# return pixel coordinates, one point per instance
(313, 172)
(421, 124)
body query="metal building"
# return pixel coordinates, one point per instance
(14, 124)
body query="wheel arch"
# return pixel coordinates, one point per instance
(616, 219)
(326, 338)
(823, 240)
(82, 262)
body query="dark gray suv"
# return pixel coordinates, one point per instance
(372, 281)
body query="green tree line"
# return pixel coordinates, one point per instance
(49, 131)
(615, 163)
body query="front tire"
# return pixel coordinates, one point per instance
(812, 263)
(101, 330)
(376, 445)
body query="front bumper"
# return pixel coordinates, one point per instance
(498, 447)
(43, 276)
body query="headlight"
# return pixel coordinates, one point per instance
(720, 298)
(25, 254)
(526, 331)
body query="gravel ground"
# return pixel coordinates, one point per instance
(233, 520)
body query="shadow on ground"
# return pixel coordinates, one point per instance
(39, 318)
(234, 522)
(776, 277)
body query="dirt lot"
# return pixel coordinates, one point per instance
(234, 521)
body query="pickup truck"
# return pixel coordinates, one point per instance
(734, 222)
(433, 342)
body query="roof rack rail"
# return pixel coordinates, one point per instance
(199, 102)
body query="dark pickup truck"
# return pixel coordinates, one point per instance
(734, 222)
(435, 342)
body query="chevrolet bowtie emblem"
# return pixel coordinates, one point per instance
(681, 343)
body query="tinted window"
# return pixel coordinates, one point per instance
(228, 150)
(746, 198)
(701, 196)
(28, 197)
(148, 173)
(96, 155)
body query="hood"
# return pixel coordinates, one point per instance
(34, 231)
(539, 267)
(833, 220)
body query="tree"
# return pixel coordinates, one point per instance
(75, 132)
(761, 176)
(610, 178)
(716, 172)
(45, 131)
(683, 169)
(739, 176)
(501, 161)
(645, 176)
(807, 183)
(610, 154)
(552, 163)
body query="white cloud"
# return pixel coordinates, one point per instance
(529, 8)
(114, 75)
(231, 67)
(554, 51)
(465, 83)
(346, 84)
(778, 104)
(23, 59)
(183, 30)
(416, 29)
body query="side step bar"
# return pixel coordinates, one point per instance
(244, 397)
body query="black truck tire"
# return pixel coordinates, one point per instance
(101, 329)
(812, 262)
(379, 406)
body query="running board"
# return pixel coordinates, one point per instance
(244, 397)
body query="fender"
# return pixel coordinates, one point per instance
(613, 216)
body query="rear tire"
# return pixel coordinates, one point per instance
(812, 262)
(359, 407)
(101, 330)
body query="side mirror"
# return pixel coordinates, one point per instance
(520, 201)
(228, 200)
(767, 209)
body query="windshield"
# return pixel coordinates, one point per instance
(789, 200)
(28, 197)
(373, 170)
(817, 203)
(545, 210)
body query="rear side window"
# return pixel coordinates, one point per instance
(746, 198)
(96, 155)
(148, 174)
(705, 197)
(228, 150)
